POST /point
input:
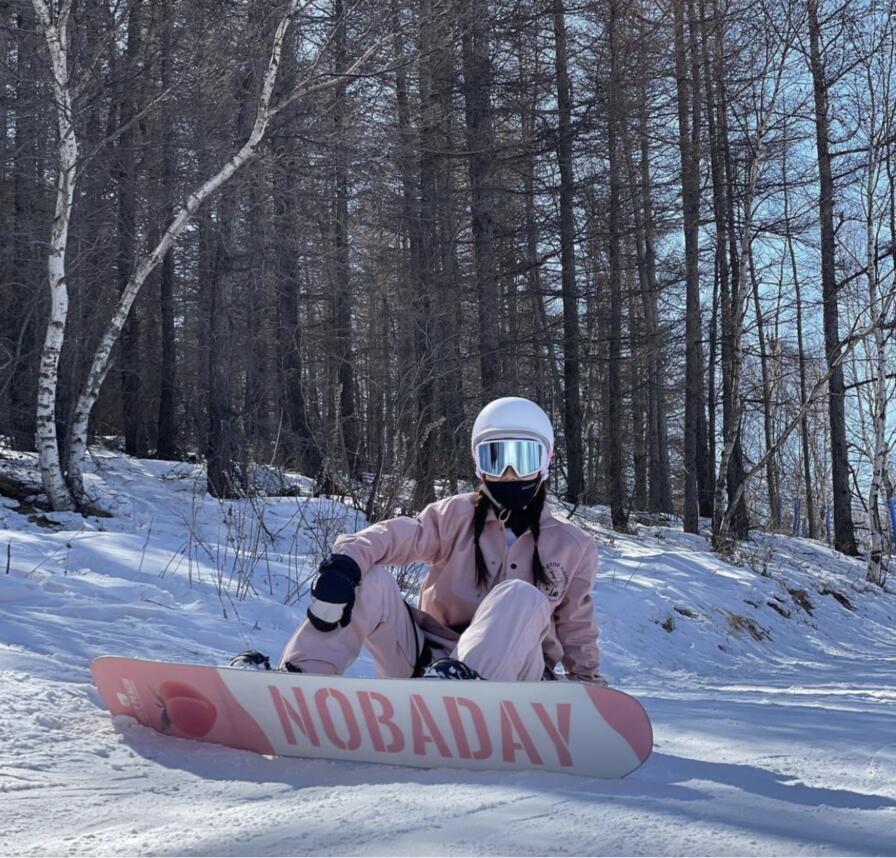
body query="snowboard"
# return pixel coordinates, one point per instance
(549, 726)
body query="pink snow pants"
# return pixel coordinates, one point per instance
(503, 641)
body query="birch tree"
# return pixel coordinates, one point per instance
(265, 113)
(54, 22)
(66, 490)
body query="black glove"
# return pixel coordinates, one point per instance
(333, 593)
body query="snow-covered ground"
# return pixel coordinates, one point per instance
(770, 680)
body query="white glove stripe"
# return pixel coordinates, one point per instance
(326, 611)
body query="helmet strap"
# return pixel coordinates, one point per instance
(491, 497)
(502, 511)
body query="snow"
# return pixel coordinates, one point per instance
(770, 680)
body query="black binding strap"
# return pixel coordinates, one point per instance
(424, 653)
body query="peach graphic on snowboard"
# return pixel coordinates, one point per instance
(185, 709)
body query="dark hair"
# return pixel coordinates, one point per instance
(533, 510)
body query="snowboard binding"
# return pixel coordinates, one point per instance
(251, 659)
(450, 668)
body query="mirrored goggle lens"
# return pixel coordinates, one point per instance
(525, 457)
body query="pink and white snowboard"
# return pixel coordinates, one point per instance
(551, 726)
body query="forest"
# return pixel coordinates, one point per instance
(319, 235)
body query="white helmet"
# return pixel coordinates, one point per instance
(514, 417)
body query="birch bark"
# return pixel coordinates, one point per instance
(100, 366)
(55, 29)
(264, 115)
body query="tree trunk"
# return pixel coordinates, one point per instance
(694, 451)
(705, 464)
(844, 533)
(805, 448)
(448, 345)
(129, 363)
(222, 442)
(258, 430)
(728, 294)
(477, 86)
(876, 573)
(639, 386)
(572, 412)
(25, 287)
(770, 471)
(423, 268)
(548, 386)
(614, 473)
(659, 476)
(56, 33)
(348, 418)
(722, 521)
(302, 448)
(166, 443)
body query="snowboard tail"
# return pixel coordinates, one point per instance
(551, 726)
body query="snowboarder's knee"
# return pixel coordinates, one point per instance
(524, 595)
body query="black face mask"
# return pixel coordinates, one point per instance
(514, 495)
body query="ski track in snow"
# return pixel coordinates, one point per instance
(782, 745)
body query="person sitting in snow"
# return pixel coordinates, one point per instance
(508, 594)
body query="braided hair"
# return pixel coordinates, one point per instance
(530, 519)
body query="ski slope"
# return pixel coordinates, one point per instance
(770, 680)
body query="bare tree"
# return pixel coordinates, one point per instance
(572, 410)
(729, 283)
(477, 88)
(879, 115)
(615, 118)
(773, 61)
(844, 535)
(695, 452)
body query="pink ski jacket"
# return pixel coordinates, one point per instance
(442, 535)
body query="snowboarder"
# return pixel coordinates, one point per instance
(508, 594)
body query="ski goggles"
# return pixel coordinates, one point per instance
(526, 457)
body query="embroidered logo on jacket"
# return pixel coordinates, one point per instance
(555, 587)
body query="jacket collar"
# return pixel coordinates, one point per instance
(547, 517)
